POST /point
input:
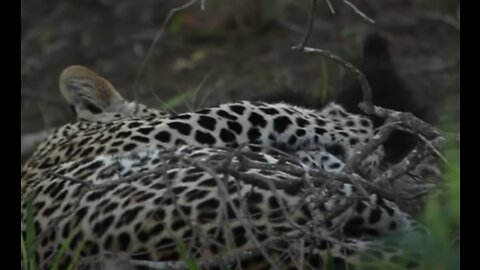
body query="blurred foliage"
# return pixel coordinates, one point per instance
(29, 260)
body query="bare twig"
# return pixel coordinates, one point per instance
(157, 37)
(310, 24)
(408, 163)
(90, 187)
(167, 107)
(429, 143)
(434, 148)
(319, 177)
(224, 164)
(200, 85)
(366, 89)
(393, 118)
(204, 264)
(248, 227)
(358, 11)
(330, 6)
(366, 149)
(406, 118)
(443, 18)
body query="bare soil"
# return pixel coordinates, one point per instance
(232, 50)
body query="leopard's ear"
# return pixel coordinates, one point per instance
(87, 93)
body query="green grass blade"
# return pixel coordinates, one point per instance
(30, 241)
(263, 81)
(176, 24)
(191, 263)
(175, 101)
(64, 247)
(453, 177)
(328, 262)
(324, 82)
(76, 254)
(24, 253)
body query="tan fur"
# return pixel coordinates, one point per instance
(101, 88)
(84, 89)
(94, 98)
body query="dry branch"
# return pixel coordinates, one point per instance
(234, 164)
(366, 89)
(430, 139)
(158, 36)
(310, 24)
(358, 11)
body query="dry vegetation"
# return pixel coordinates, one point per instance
(211, 52)
(229, 52)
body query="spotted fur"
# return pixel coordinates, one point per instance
(172, 195)
(136, 216)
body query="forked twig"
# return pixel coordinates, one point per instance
(366, 89)
(358, 11)
(310, 24)
(157, 37)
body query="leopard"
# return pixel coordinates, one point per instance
(280, 126)
(126, 178)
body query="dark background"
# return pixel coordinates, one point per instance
(232, 50)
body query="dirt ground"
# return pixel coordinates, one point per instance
(231, 50)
